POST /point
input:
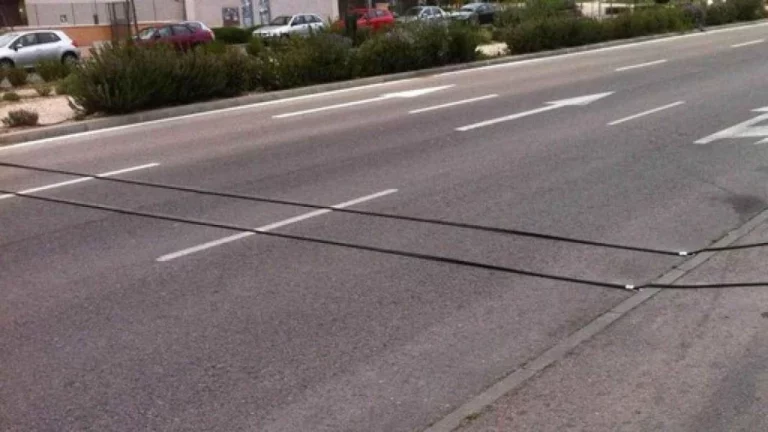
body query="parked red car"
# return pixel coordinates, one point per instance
(181, 36)
(370, 18)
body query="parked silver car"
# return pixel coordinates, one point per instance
(423, 13)
(25, 49)
(298, 25)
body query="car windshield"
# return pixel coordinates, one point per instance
(413, 11)
(280, 21)
(7, 38)
(147, 33)
(194, 25)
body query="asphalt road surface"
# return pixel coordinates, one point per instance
(120, 323)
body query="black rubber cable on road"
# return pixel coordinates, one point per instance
(415, 255)
(475, 227)
(395, 252)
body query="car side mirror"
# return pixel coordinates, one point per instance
(15, 47)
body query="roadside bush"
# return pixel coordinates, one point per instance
(255, 47)
(417, 46)
(318, 58)
(240, 73)
(52, 70)
(747, 10)
(65, 86)
(19, 118)
(43, 90)
(17, 76)
(720, 13)
(215, 47)
(552, 33)
(231, 35)
(11, 97)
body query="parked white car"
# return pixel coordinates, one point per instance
(296, 25)
(25, 48)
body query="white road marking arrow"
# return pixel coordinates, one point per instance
(577, 101)
(403, 94)
(742, 130)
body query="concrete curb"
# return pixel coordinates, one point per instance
(517, 378)
(167, 113)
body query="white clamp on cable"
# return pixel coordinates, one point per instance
(683, 253)
(629, 287)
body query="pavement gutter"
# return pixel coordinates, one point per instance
(255, 98)
(475, 406)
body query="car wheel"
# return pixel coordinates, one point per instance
(6, 64)
(69, 59)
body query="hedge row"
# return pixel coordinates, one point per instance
(123, 78)
(733, 11)
(559, 32)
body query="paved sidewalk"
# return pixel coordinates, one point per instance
(691, 360)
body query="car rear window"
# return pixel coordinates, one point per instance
(47, 38)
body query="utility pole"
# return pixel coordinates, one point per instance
(135, 17)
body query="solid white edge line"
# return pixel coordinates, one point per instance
(644, 113)
(641, 65)
(201, 114)
(80, 180)
(270, 227)
(602, 50)
(743, 44)
(451, 104)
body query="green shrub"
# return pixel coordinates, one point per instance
(232, 35)
(417, 46)
(720, 13)
(197, 76)
(17, 76)
(747, 10)
(65, 86)
(561, 32)
(43, 90)
(52, 70)
(18, 118)
(315, 59)
(255, 47)
(122, 78)
(215, 47)
(509, 17)
(11, 97)
(240, 73)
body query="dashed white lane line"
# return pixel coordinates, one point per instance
(81, 180)
(645, 113)
(452, 104)
(641, 65)
(272, 226)
(752, 42)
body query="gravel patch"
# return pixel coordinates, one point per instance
(52, 110)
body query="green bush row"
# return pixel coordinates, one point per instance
(123, 78)
(734, 10)
(233, 35)
(561, 32)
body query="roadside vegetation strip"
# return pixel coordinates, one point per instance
(122, 78)
(463, 225)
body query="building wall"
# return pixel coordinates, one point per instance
(324, 8)
(48, 13)
(209, 11)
